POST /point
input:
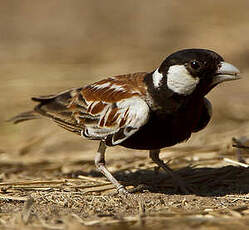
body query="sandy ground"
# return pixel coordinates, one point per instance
(47, 175)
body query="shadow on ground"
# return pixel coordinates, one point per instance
(201, 181)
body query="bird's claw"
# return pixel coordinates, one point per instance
(122, 190)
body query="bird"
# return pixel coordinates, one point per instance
(142, 110)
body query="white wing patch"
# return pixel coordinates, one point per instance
(118, 121)
(137, 116)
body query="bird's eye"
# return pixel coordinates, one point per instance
(195, 65)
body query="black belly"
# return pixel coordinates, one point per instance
(161, 132)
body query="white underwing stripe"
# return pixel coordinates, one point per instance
(157, 77)
(180, 81)
(101, 86)
(109, 86)
(117, 87)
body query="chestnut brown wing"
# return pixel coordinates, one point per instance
(113, 108)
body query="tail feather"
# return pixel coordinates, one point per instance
(29, 115)
(55, 108)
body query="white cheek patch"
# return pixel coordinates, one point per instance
(180, 81)
(157, 77)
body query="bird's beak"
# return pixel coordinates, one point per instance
(226, 72)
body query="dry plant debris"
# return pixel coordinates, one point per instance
(54, 196)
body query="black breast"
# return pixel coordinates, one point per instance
(165, 130)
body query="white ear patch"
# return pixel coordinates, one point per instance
(180, 81)
(157, 77)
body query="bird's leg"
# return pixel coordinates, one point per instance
(100, 165)
(178, 182)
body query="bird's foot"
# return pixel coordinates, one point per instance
(156, 169)
(139, 188)
(181, 186)
(178, 182)
(122, 190)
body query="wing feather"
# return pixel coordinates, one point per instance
(118, 107)
(116, 124)
(112, 109)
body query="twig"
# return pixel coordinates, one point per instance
(235, 198)
(240, 146)
(52, 227)
(27, 210)
(33, 182)
(2, 197)
(236, 162)
(96, 222)
(78, 218)
(45, 189)
(91, 186)
(99, 189)
(93, 179)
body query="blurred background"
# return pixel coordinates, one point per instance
(51, 45)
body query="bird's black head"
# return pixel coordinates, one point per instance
(190, 70)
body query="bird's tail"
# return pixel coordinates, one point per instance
(29, 115)
(54, 107)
